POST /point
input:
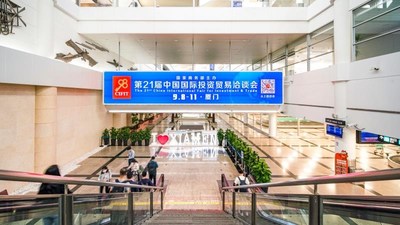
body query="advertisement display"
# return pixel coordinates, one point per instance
(341, 163)
(192, 88)
(367, 138)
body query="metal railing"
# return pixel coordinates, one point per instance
(65, 203)
(314, 203)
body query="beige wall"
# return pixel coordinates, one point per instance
(17, 130)
(81, 118)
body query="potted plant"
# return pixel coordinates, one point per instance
(220, 135)
(140, 137)
(106, 136)
(119, 136)
(125, 136)
(134, 137)
(113, 135)
(147, 136)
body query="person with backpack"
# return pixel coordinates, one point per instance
(241, 180)
(145, 181)
(152, 169)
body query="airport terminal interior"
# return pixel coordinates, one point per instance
(199, 111)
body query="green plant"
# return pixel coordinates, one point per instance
(125, 132)
(106, 133)
(119, 134)
(134, 119)
(147, 134)
(141, 135)
(134, 136)
(113, 133)
(220, 135)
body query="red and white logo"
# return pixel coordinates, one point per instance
(121, 87)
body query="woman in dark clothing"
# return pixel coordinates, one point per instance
(47, 188)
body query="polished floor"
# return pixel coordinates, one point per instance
(193, 174)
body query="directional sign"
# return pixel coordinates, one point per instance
(389, 140)
(335, 121)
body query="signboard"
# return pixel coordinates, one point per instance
(389, 140)
(341, 163)
(367, 138)
(335, 121)
(192, 88)
(237, 3)
(334, 130)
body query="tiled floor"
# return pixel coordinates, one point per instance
(192, 174)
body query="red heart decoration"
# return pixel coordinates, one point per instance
(162, 139)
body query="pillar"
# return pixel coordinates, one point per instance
(342, 40)
(45, 29)
(45, 128)
(119, 120)
(261, 121)
(272, 124)
(129, 119)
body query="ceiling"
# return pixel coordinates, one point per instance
(207, 48)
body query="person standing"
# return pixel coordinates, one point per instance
(145, 181)
(121, 179)
(105, 176)
(241, 180)
(152, 169)
(131, 155)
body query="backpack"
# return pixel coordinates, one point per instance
(242, 182)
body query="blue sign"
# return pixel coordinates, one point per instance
(237, 3)
(368, 138)
(334, 130)
(198, 88)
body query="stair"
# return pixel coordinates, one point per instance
(206, 217)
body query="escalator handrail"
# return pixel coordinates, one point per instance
(381, 175)
(41, 178)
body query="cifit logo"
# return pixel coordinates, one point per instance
(121, 87)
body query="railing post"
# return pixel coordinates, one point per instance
(162, 200)
(223, 200)
(151, 204)
(234, 203)
(130, 208)
(253, 208)
(66, 210)
(315, 210)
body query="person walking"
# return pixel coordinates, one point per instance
(105, 176)
(152, 169)
(241, 180)
(131, 155)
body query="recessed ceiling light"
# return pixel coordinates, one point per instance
(176, 40)
(210, 40)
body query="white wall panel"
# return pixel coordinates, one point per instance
(25, 68)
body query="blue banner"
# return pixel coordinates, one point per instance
(175, 88)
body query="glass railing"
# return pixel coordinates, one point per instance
(196, 3)
(313, 209)
(79, 209)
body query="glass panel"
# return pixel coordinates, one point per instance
(297, 68)
(321, 61)
(321, 48)
(156, 202)
(321, 34)
(228, 202)
(141, 206)
(243, 206)
(30, 210)
(278, 210)
(297, 56)
(380, 46)
(373, 8)
(99, 209)
(299, 44)
(380, 25)
(364, 210)
(278, 64)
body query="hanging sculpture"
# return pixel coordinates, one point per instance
(9, 16)
(80, 53)
(115, 63)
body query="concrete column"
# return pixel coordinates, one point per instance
(119, 120)
(129, 119)
(45, 128)
(342, 40)
(272, 124)
(45, 29)
(246, 118)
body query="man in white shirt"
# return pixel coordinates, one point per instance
(131, 155)
(241, 180)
